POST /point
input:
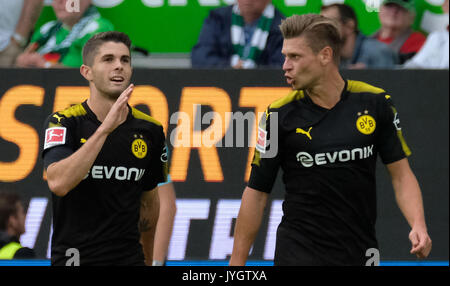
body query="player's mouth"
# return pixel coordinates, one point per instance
(289, 79)
(117, 79)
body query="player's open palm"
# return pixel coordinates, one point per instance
(119, 111)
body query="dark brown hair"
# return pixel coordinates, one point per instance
(91, 47)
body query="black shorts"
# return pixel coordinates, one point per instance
(289, 252)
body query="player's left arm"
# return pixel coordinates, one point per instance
(167, 212)
(149, 213)
(409, 200)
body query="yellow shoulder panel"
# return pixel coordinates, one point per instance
(141, 115)
(292, 96)
(359, 86)
(75, 110)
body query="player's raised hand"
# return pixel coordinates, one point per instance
(421, 243)
(118, 112)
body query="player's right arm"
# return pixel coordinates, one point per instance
(247, 224)
(66, 174)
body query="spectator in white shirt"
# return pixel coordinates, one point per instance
(435, 52)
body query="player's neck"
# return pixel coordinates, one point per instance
(99, 104)
(328, 92)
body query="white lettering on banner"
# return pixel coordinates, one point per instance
(329, 2)
(33, 221)
(435, 2)
(221, 241)
(295, 2)
(276, 212)
(107, 3)
(187, 210)
(160, 3)
(49, 247)
(153, 3)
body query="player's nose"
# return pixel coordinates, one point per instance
(287, 64)
(118, 64)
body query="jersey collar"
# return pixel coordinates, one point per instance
(94, 118)
(308, 101)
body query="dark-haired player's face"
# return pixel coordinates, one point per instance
(301, 65)
(111, 69)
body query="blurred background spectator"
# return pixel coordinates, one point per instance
(60, 43)
(12, 226)
(243, 35)
(17, 19)
(358, 51)
(397, 18)
(434, 54)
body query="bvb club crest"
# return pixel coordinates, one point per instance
(139, 147)
(365, 123)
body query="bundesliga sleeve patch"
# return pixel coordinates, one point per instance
(261, 142)
(55, 136)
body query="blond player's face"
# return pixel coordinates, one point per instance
(301, 66)
(111, 69)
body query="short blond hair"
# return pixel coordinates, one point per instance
(318, 30)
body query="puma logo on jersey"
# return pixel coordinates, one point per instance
(307, 133)
(82, 140)
(58, 117)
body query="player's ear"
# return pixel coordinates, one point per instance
(326, 55)
(86, 72)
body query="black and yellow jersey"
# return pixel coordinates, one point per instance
(99, 217)
(328, 158)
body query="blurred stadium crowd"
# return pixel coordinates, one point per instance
(240, 35)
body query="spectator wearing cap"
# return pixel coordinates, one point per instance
(243, 35)
(396, 18)
(358, 51)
